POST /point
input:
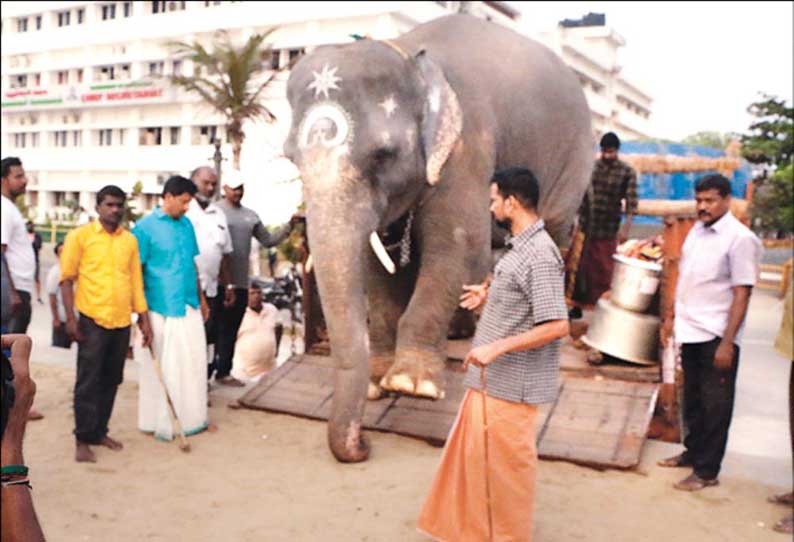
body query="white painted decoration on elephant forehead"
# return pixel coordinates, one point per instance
(324, 81)
(389, 106)
(325, 111)
(385, 138)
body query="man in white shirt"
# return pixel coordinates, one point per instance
(16, 246)
(720, 264)
(215, 245)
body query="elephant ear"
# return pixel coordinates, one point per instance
(442, 120)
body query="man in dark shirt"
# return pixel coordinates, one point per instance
(613, 182)
(36, 241)
(244, 223)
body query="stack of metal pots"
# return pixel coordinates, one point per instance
(622, 326)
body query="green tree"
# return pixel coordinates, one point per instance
(771, 137)
(231, 80)
(709, 139)
(773, 202)
(130, 214)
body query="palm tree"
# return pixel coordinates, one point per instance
(230, 80)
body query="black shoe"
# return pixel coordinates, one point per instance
(575, 313)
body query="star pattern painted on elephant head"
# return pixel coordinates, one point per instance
(389, 106)
(324, 81)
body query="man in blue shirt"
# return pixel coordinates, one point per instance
(177, 309)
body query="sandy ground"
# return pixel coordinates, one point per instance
(265, 476)
(269, 477)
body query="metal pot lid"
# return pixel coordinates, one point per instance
(634, 262)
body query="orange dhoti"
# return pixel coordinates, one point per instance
(456, 510)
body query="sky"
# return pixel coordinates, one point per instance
(702, 62)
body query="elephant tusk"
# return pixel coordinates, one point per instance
(309, 264)
(380, 252)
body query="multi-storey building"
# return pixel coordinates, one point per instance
(86, 102)
(591, 48)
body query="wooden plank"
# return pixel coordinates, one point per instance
(596, 422)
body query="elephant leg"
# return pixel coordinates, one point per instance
(446, 264)
(388, 297)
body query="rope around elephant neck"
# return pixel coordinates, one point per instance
(405, 242)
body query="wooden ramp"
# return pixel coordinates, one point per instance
(600, 423)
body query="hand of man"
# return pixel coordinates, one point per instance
(205, 309)
(481, 356)
(56, 323)
(474, 295)
(229, 297)
(73, 330)
(666, 331)
(623, 236)
(723, 357)
(24, 387)
(146, 330)
(16, 301)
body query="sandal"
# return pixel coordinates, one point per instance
(693, 482)
(679, 460)
(785, 525)
(786, 499)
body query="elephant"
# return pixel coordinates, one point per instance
(410, 131)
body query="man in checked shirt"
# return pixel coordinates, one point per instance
(479, 493)
(613, 181)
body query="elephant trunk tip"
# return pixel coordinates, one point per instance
(353, 447)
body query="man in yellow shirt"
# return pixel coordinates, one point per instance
(102, 257)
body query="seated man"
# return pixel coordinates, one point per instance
(256, 346)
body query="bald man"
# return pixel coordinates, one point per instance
(215, 247)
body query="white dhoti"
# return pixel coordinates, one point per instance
(181, 347)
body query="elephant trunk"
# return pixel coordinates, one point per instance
(338, 236)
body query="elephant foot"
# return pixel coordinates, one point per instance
(379, 365)
(353, 447)
(416, 373)
(374, 392)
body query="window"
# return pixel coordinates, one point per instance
(275, 59)
(80, 16)
(174, 135)
(161, 6)
(77, 138)
(125, 71)
(63, 18)
(294, 54)
(38, 22)
(105, 137)
(203, 135)
(34, 139)
(22, 24)
(150, 136)
(60, 138)
(214, 3)
(37, 80)
(121, 136)
(79, 75)
(177, 69)
(62, 77)
(20, 140)
(127, 9)
(156, 68)
(108, 12)
(19, 81)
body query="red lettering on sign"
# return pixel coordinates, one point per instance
(95, 97)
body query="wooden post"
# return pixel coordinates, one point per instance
(667, 422)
